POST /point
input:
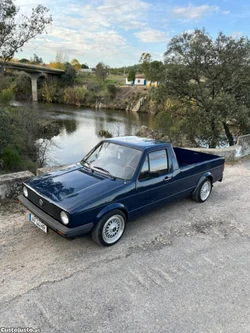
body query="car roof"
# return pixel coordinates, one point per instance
(138, 142)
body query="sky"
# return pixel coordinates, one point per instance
(117, 32)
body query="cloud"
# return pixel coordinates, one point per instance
(225, 12)
(119, 7)
(194, 13)
(93, 31)
(87, 46)
(123, 13)
(152, 36)
(133, 25)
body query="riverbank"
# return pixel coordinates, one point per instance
(133, 99)
(84, 90)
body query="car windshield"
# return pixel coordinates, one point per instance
(114, 160)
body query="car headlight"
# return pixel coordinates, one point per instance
(64, 217)
(25, 192)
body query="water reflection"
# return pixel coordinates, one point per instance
(70, 125)
(79, 128)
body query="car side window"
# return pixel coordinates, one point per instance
(155, 164)
(158, 162)
(144, 174)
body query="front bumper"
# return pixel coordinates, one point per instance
(53, 223)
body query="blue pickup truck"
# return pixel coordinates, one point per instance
(117, 180)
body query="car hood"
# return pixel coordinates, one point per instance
(67, 187)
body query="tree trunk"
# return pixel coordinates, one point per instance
(214, 137)
(228, 134)
(1, 69)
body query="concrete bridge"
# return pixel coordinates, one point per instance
(34, 72)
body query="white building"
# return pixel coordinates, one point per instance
(87, 70)
(140, 80)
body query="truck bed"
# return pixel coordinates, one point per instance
(187, 157)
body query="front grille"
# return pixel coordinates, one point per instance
(46, 206)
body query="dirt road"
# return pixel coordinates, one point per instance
(183, 268)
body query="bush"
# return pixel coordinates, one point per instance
(90, 98)
(6, 96)
(68, 77)
(94, 87)
(74, 95)
(112, 90)
(11, 159)
(20, 129)
(5, 129)
(48, 92)
(5, 82)
(22, 89)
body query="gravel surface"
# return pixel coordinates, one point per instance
(182, 268)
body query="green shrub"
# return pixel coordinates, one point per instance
(69, 75)
(22, 88)
(90, 98)
(94, 87)
(5, 129)
(11, 159)
(6, 96)
(74, 95)
(5, 82)
(48, 92)
(112, 90)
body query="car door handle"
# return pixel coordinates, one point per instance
(167, 178)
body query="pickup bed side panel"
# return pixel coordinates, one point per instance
(186, 181)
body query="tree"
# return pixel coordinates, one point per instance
(22, 89)
(36, 60)
(69, 75)
(156, 71)
(61, 59)
(102, 71)
(144, 62)
(75, 63)
(153, 70)
(84, 66)
(211, 78)
(16, 30)
(24, 61)
(131, 75)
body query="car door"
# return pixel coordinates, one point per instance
(154, 183)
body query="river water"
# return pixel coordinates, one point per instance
(79, 128)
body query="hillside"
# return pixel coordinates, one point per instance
(111, 94)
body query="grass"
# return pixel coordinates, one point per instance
(117, 80)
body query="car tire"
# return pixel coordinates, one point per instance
(203, 192)
(110, 228)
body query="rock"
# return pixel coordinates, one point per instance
(138, 105)
(105, 134)
(147, 132)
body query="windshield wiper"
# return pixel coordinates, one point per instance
(86, 164)
(103, 170)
